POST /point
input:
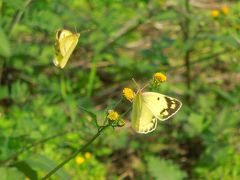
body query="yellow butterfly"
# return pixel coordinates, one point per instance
(66, 42)
(149, 107)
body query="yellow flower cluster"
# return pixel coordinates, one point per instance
(88, 155)
(159, 77)
(214, 13)
(80, 160)
(112, 115)
(128, 94)
(224, 9)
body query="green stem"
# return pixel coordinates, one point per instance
(188, 69)
(115, 106)
(186, 29)
(122, 115)
(63, 84)
(1, 67)
(93, 71)
(2, 5)
(74, 154)
(92, 76)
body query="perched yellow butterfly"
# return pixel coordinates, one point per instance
(149, 107)
(66, 42)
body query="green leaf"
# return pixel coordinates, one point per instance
(10, 174)
(167, 15)
(19, 91)
(16, 4)
(5, 49)
(196, 124)
(164, 169)
(3, 92)
(45, 164)
(26, 169)
(225, 95)
(91, 114)
(227, 39)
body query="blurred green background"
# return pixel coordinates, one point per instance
(195, 43)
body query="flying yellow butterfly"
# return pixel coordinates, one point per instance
(149, 107)
(66, 42)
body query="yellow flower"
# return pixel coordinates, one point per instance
(214, 13)
(159, 77)
(79, 160)
(128, 94)
(112, 115)
(88, 155)
(225, 9)
(27, 178)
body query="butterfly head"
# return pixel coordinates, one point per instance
(139, 89)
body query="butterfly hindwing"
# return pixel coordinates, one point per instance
(163, 107)
(143, 120)
(66, 42)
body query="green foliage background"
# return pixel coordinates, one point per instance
(40, 119)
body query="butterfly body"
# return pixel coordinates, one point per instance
(149, 107)
(66, 42)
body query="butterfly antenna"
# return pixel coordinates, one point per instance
(75, 29)
(146, 85)
(88, 30)
(136, 84)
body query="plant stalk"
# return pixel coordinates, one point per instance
(44, 140)
(187, 55)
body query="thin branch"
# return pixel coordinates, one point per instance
(18, 16)
(41, 141)
(128, 27)
(205, 58)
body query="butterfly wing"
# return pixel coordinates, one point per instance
(66, 42)
(142, 119)
(162, 107)
(62, 33)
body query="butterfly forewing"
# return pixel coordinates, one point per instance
(143, 120)
(62, 33)
(162, 107)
